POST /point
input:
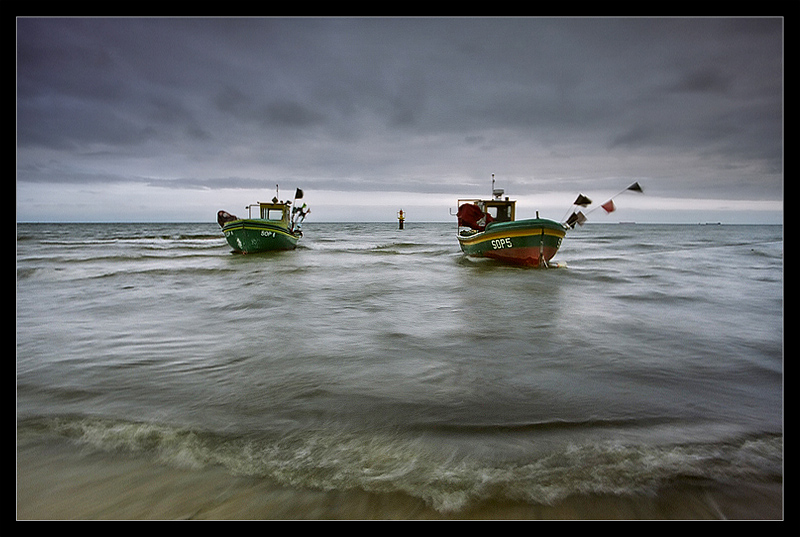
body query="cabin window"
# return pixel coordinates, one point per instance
(272, 214)
(500, 213)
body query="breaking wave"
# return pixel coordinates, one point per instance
(390, 462)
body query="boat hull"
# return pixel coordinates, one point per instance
(255, 235)
(532, 242)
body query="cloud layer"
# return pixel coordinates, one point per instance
(691, 108)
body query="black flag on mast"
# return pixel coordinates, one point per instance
(635, 187)
(576, 218)
(298, 194)
(583, 201)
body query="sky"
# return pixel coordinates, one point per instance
(173, 119)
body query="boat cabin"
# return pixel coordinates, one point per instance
(274, 211)
(500, 210)
(477, 213)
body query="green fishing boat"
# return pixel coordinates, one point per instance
(489, 228)
(529, 242)
(276, 226)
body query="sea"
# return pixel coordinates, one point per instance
(377, 374)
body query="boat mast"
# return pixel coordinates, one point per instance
(497, 193)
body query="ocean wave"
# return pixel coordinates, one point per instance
(331, 459)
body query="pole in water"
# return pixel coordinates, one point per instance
(401, 217)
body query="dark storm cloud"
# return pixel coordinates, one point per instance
(694, 105)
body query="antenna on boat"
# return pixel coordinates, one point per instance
(496, 192)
